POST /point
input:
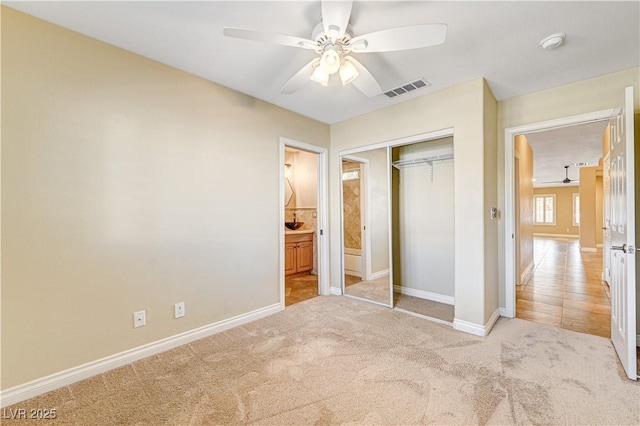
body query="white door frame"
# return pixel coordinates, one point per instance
(322, 235)
(365, 250)
(509, 194)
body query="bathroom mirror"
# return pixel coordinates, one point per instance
(288, 192)
(367, 266)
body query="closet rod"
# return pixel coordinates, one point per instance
(401, 163)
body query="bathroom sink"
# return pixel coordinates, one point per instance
(293, 225)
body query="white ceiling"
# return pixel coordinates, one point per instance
(554, 149)
(495, 40)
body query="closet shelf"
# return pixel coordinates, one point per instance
(429, 160)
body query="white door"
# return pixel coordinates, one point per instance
(623, 247)
(606, 221)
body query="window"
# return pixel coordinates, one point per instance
(351, 174)
(576, 209)
(544, 209)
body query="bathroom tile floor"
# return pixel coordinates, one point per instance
(565, 289)
(300, 288)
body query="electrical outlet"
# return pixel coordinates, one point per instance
(139, 319)
(179, 309)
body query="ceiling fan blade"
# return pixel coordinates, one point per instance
(300, 78)
(403, 38)
(285, 40)
(365, 82)
(335, 18)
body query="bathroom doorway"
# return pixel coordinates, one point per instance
(303, 194)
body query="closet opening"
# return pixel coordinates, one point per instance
(422, 221)
(397, 211)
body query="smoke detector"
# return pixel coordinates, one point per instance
(553, 41)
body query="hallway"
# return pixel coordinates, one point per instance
(565, 289)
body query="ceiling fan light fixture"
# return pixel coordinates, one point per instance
(319, 75)
(334, 31)
(348, 72)
(330, 61)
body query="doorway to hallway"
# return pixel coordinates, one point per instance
(565, 288)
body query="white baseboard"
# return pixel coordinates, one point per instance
(353, 273)
(503, 313)
(449, 300)
(537, 234)
(478, 330)
(492, 320)
(64, 378)
(589, 249)
(336, 291)
(379, 274)
(415, 314)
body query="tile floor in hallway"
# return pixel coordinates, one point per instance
(565, 289)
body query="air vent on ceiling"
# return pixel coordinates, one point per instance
(406, 88)
(583, 164)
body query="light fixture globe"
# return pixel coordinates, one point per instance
(330, 61)
(348, 72)
(319, 75)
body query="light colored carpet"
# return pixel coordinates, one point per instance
(429, 308)
(376, 290)
(336, 360)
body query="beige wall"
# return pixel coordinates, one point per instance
(491, 260)
(304, 178)
(351, 214)
(599, 210)
(425, 222)
(524, 153)
(459, 107)
(588, 207)
(564, 211)
(125, 187)
(572, 99)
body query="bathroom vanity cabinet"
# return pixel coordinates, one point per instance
(298, 252)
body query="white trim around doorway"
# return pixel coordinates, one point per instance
(322, 234)
(509, 310)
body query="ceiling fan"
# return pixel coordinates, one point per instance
(566, 179)
(334, 43)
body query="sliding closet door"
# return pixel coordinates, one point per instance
(366, 225)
